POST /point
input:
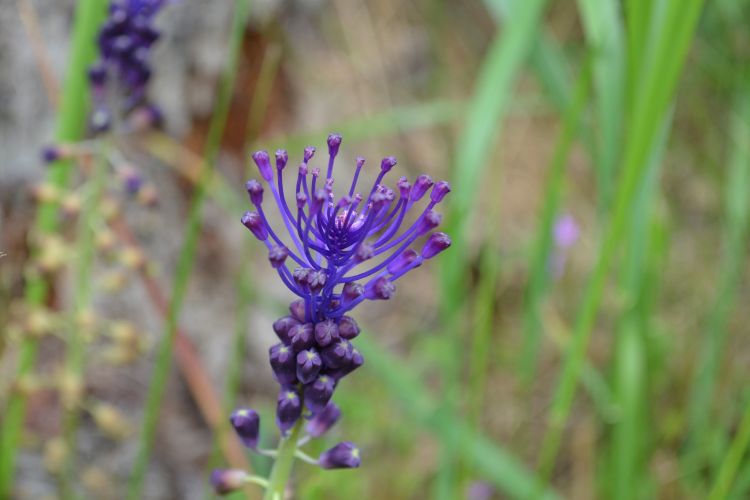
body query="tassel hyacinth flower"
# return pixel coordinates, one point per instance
(333, 253)
(125, 41)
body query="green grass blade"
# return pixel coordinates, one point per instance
(651, 102)
(733, 460)
(737, 226)
(160, 375)
(71, 127)
(630, 432)
(485, 458)
(603, 27)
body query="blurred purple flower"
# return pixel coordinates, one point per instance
(566, 233)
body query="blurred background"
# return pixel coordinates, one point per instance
(584, 337)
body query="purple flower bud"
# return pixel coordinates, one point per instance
(308, 365)
(246, 423)
(387, 163)
(323, 420)
(281, 158)
(421, 185)
(337, 354)
(355, 362)
(255, 191)
(288, 409)
(228, 480)
(566, 231)
(404, 187)
(439, 191)
(407, 260)
(364, 252)
(255, 224)
(326, 332)
(277, 255)
(297, 309)
(97, 74)
(342, 456)
(301, 336)
(301, 200)
(352, 291)
(436, 243)
(348, 328)
(318, 200)
(263, 161)
(428, 222)
(318, 393)
(51, 153)
(283, 364)
(379, 289)
(301, 276)
(334, 142)
(309, 152)
(316, 280)
(282, 326)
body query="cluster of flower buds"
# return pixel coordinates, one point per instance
(125, 42)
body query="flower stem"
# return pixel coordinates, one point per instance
(282, 468)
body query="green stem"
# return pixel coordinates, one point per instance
(282, 468)
(70, 127)
(160, 376)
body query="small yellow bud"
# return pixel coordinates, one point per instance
(55, 454)
(105, 240)
(111, 421)
(71, 204)
(132, 258)
(45, 193)
(71, 390)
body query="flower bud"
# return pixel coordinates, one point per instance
(316, 280)
(334, 142)
(323, 420)
(439, 191)
(337, 354)
(428, 222)
(227, 480)
(263, 161)
(318, 393)
(297, 308)
(246, 423)
(364, 252)
(255, 224)
(277, 255)
(352, 291)
(404, 187)
(326, 332)
(421, 185)
(283, 364)
(281, 158)
(407, 260)
(348, 328)
(282, 326)
(436, 243)
(342, 456)
(301, 336)
(255, 191)
(387, 163)
(288, 409)
(379, 289)
(308, 154)
(308, 365)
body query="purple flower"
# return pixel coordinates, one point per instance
(335, 242)
(566, 231)
(342, 456)
(246, 423)
(125, 40)
(228, 480)
(333, 253)
(323, 420)
(288, 409)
